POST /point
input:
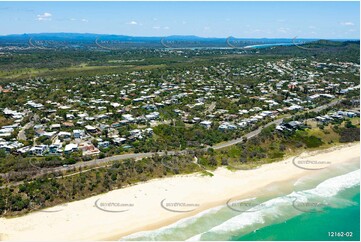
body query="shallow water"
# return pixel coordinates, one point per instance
(311, 208)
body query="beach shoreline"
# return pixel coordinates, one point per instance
(87, 220)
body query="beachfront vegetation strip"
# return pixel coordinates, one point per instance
(73, 107)
(271, 145)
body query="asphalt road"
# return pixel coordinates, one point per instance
(104, 161)
(217, 146)
(21, 134)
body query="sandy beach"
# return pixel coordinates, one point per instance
(161, 202)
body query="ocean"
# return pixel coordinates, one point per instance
(319, 207)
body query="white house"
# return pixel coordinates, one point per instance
(70, 148)
(90, 129)
(38, 150)
(206, 123)
(64, 135)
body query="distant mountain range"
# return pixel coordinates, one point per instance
(108, 41)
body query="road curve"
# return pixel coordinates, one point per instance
(216, 147)
(104, 161)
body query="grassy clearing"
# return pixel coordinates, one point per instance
(82, 69)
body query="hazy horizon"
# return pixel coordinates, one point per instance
(196, 36)
(312, 20)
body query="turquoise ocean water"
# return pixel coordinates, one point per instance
(318, 207)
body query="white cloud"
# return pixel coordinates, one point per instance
(44, 16)
(160, 27)
(132, 22)
(81, 20)
(347, 23)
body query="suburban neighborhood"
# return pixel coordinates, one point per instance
(113, 114)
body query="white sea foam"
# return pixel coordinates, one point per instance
(332, 186)
(179, 224)
(271, 209)
(167, 229)
(248, 218)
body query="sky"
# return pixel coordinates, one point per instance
(329, 20)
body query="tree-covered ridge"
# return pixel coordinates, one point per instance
(31, 61)
(322, 50)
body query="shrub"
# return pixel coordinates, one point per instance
(349, 135)
(276, 154)
(312, 141)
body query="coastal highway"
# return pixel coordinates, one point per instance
(249, 135)
(104, 161)
(276, 122)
